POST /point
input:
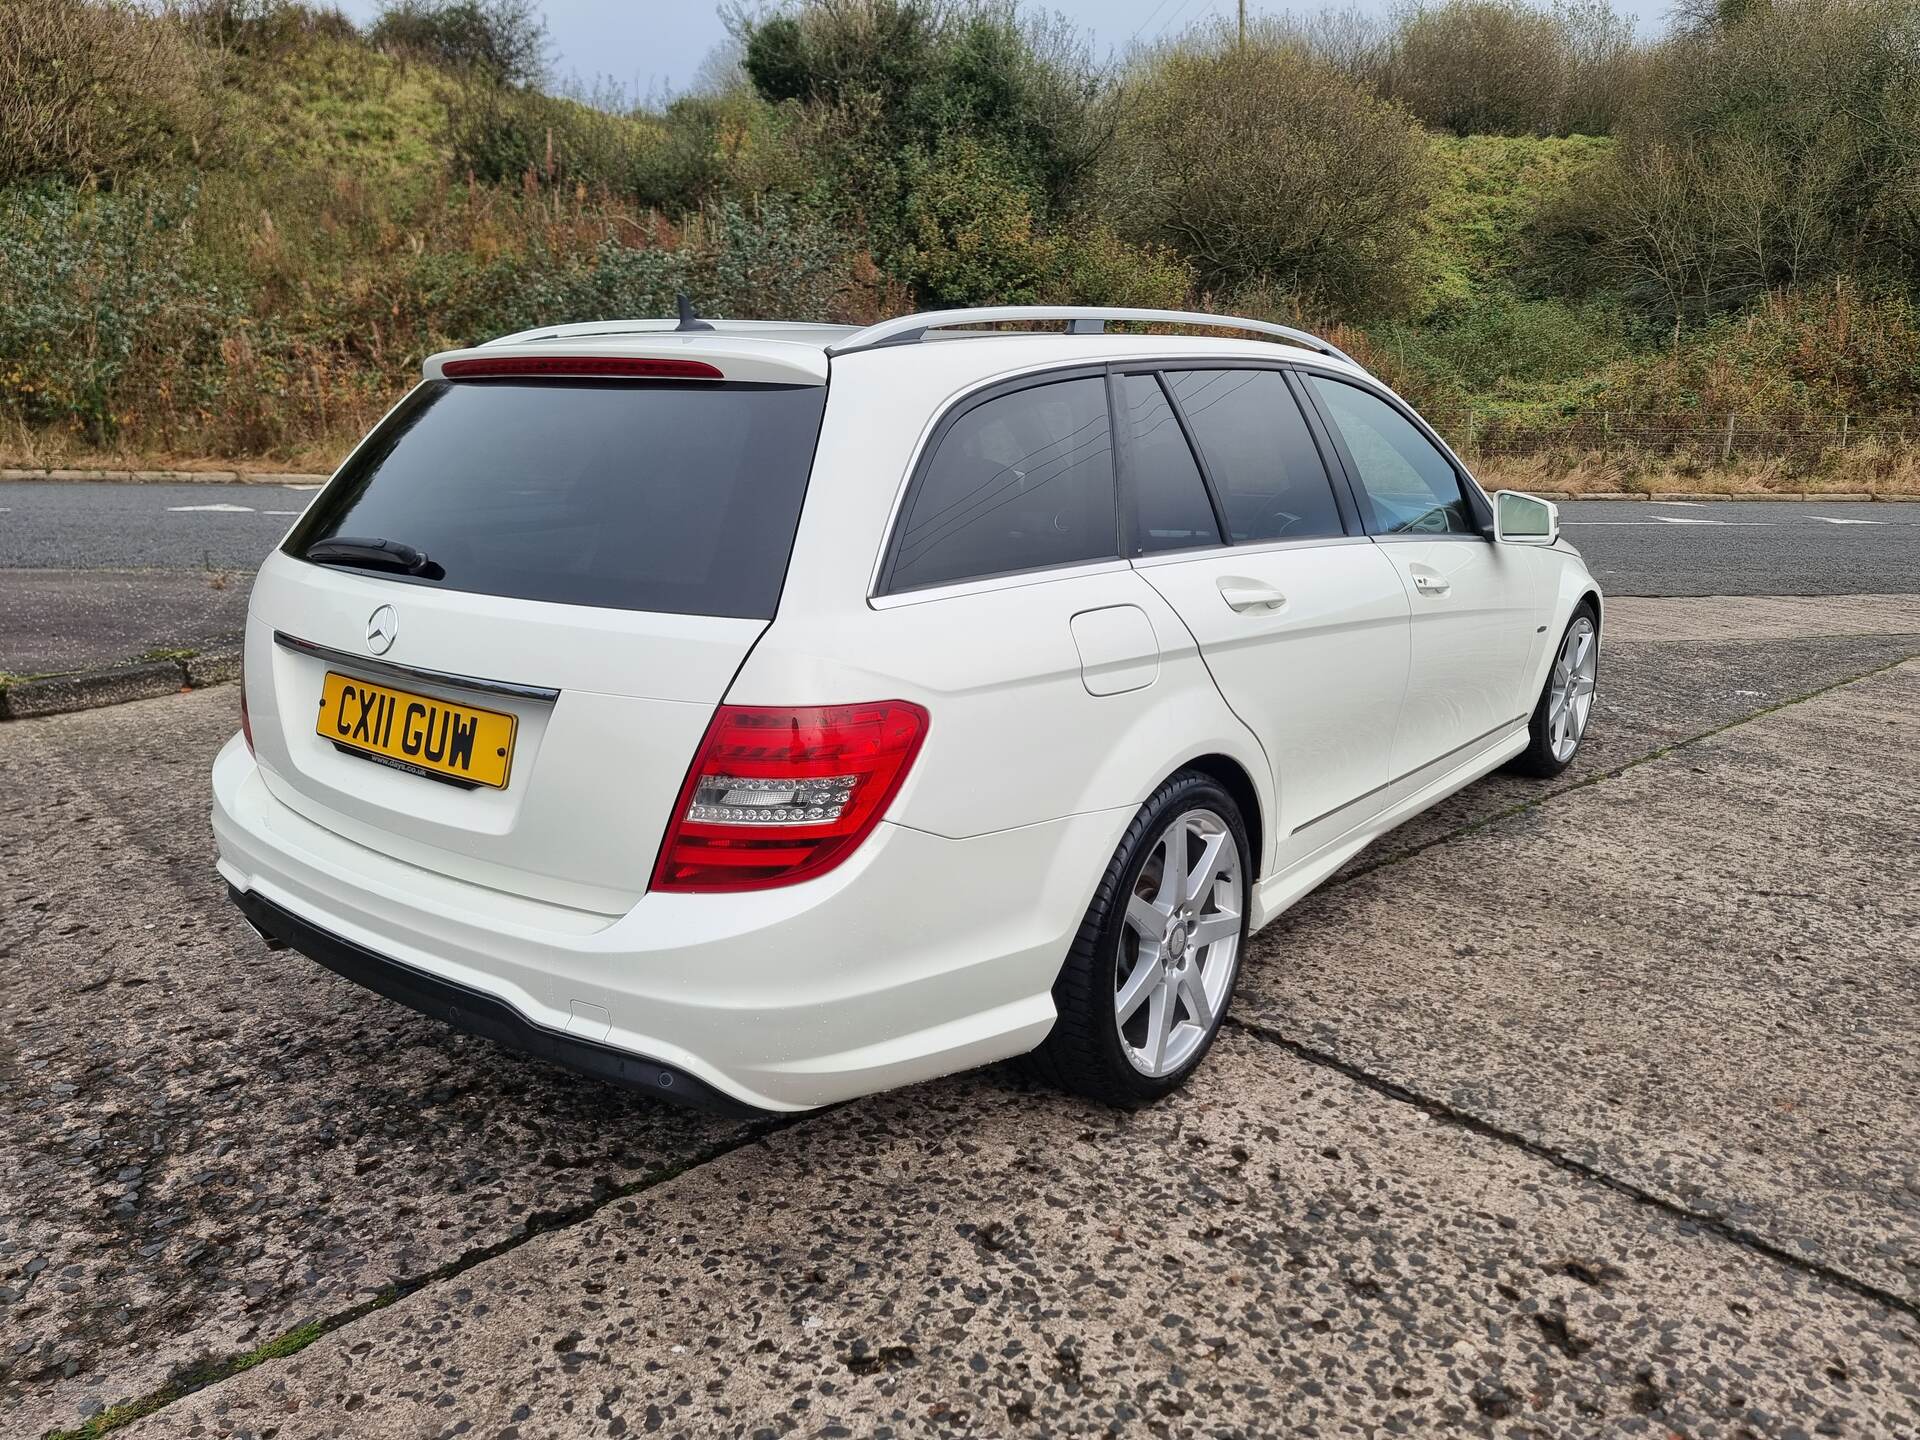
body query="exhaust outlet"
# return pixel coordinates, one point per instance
(272, 942)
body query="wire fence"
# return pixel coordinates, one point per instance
(1723, 437)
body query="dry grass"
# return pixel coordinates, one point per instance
(1873, 469)
(95, 91)
(1862, 469)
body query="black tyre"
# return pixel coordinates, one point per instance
(1152, 969)
(1565, 707)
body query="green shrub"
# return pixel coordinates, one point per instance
(96, 90)
(99, 302)
(969, 236)
(1775, 147)
(1504, 67)
(1265, 164)
(1502, 343)
(263, 29)
(884, 84)
(500, 41)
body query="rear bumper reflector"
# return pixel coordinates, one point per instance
(475, 1012)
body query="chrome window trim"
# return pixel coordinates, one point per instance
(415, 672)
(1011, 580)
(1265, 547)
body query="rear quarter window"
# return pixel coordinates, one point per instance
(1021, 481)
(662, 496)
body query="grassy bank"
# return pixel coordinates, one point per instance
(231, 230)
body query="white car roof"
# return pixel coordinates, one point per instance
(780, 351)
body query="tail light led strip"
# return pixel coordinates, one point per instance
(778, 795)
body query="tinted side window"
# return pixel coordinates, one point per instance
(1260, 454)
(1019, 482)
(1409, 484)
(1169, 497)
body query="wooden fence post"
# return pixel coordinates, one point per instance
(1726, 448)
(1843, 429)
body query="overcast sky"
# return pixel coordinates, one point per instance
(654, 47)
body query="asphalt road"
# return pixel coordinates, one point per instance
(1577, 1109)
(1635, 548)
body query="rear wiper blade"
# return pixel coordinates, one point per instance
(375, 554)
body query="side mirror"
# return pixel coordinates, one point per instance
(1524, 519)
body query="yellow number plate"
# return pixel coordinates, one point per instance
(416, 733)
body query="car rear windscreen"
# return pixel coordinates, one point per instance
(679, 497)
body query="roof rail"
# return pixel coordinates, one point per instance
(763, 329)
(1086, 319)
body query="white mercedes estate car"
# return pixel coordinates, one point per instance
(764, 714)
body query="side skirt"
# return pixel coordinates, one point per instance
(1280, 892)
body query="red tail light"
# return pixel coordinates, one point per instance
(781, 795)
(590, 367)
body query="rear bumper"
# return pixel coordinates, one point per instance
(477, 1012)
(917, 957)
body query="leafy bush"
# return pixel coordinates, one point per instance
(1771, 149)
(97, 296)
(1502, 67)
(501, 41)
(95, 90)
(882, 86)
(1262, 163)
(263, 29)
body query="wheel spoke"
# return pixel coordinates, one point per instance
(1203, 874)
(1148, 920)
(1211, 929)
(1159, 1028)
(1193, 990)
(1172, 848)
(1146, 974)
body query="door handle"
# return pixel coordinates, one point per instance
(1245, 595)
(1431, 584)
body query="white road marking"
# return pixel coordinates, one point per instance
(1844, 520)
(299, 487)
(1763, 525)
(1690, 504)
(223, 508)
(283, 512)
(1686, 520)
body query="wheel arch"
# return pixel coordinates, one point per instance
(1232, 777)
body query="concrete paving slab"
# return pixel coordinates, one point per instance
(1652, 695)
(205, 1144)
(1760, 617)
(1702, 975)
(1277, 1251)
(54, 621)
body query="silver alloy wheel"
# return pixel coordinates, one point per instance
(1180, 943)
(1570, 691)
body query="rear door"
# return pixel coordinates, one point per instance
(491, 646)
(1301, 619)
(1474, 604)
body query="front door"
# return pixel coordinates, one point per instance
(1474, 604)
